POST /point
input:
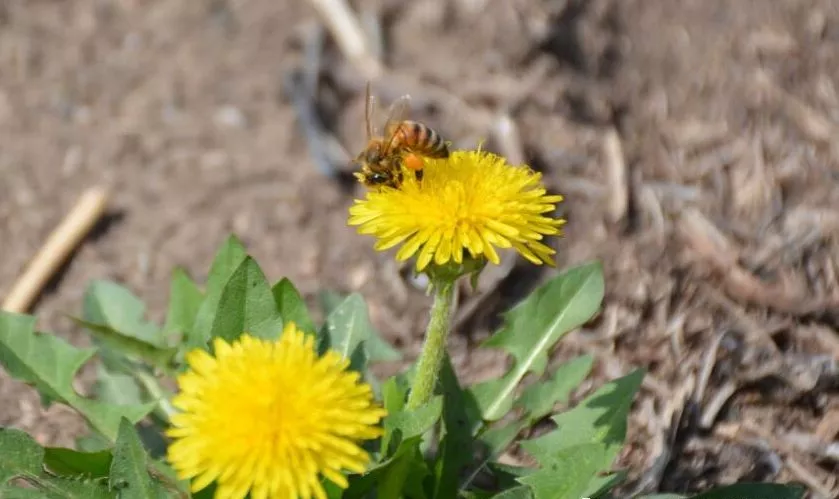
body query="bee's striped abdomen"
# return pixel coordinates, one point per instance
(424, 140)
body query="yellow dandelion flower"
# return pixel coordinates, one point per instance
(473, 201)
(269, 418)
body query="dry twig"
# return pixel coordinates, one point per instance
(741, 431)
(809, 478)
(694, 135)
(349, 35)
(665, 433)
(712, 409)
(60, 244)
(810, 122)
(616, 175)
(828, 428)
(714, 248)
(708, 362)
(812, 444)
(505, 132)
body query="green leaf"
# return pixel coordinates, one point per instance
(456, 443)
(663, 496)
(567, 472)
(93, 442)
(412, 423)
(348, 327)
(481, 494)
(59, 488)
(507, 475)
(20, 455)
(228, 258)
(332, 491)
(520, 492)
(599, 419)
(755, 491)
(403, 475)
(404, 466)
(379, 350)
(113, 339)
(394, 393)
(291, 306)
(603, 483)
(498, 438)
(129, 473)
(329, 300)
(538, 399)
(208, 492)
(494, 441)
(12, 492)
(50, 364)
(117, 388)
(389, 475)
(534, 326)
(246, 306)
(185, 299)
(70, 463)
(109, 304)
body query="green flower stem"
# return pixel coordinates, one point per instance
(428, 366)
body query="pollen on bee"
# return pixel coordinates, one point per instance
(413, 162)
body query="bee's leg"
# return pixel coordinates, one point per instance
(418, 174)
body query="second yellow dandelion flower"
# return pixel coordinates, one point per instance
(270, 418)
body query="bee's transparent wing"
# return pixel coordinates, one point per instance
(399, 111)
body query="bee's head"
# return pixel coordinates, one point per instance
(373, 154)
(379, 178)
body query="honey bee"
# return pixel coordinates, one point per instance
(403, 143)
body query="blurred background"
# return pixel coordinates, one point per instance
(696, 143)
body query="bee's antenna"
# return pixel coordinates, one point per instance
(368, 104)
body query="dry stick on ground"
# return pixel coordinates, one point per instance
(711, 410)
(714, 248)
(664, 436)
(814, 125)
(811, 444)
(828, 427)
(795, 466)
(709, 360)
(650, 203)
(72, 230)
(804, 474)
(755, 332)
(741, 432)
(616, 175)
(506, 134)
(349, 35)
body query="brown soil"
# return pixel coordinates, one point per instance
(695, 142)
